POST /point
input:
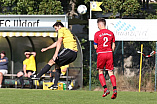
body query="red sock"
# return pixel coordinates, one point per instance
(102, 80)
(113, 81)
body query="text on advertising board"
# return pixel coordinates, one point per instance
(19, 23)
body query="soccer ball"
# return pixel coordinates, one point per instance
(82, 9)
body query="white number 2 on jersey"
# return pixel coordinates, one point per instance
(105, 41)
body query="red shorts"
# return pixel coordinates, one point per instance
(105, 60)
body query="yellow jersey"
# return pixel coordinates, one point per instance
(68, 39)
(30, 63)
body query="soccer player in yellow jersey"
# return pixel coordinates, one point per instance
(29, 67)
(66, 56)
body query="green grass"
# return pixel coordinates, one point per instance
(27, 96)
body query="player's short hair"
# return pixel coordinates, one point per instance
(3, 52)
(58, 24)
(101, 20)
(27, 51)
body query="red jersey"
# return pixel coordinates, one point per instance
(103, 39)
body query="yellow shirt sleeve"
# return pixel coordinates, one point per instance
(60, 33)
(25, 62)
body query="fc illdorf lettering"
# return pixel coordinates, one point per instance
(19, 23)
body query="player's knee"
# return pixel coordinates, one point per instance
(29, 74)
(100, 71)
(51, 62)
(110, 72)
(19, 74)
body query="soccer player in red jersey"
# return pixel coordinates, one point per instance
(104, 43)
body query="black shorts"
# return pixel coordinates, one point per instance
(65, 57)
(28, 71)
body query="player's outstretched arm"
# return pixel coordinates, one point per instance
(50, 47)
(59, 43)
(33, 53)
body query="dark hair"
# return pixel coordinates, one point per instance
(101, 20)
(26, 51)
(3, 52)
(58, 24)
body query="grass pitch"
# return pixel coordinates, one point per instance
(37, 96)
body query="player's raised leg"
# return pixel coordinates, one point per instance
(44, 70)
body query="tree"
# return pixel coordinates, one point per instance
(31, 7)
(50, 7)
(71, 11)
(127, 8)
